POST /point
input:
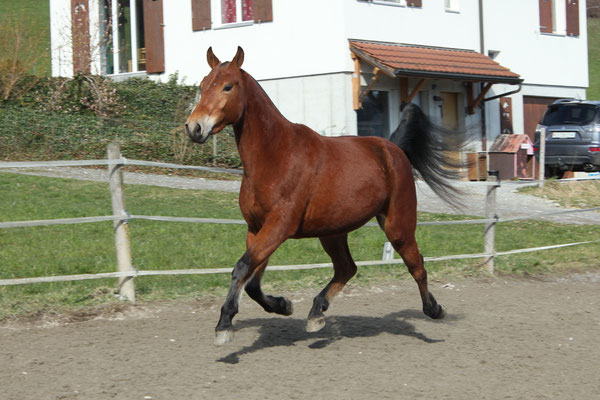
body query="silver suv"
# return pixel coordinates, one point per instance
(572, 136)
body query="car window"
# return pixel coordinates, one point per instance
(579, 114)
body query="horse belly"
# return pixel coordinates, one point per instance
(329, 213)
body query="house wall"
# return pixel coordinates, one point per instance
(61, 49)
(303, 61)
(299, 41)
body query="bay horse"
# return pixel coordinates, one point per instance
(299, 184)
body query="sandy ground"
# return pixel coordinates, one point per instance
(500, 340)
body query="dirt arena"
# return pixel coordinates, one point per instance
(501, 339)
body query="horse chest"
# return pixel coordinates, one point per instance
(255, 203)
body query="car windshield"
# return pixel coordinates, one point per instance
(580, 114)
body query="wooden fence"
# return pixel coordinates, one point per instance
(126, 273)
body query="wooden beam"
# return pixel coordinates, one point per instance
(356, 82)
(365, 92)
(410, 96)
(479, 98)
(403, 90)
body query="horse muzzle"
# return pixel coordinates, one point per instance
(197, 134)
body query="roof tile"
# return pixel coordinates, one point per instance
(397, 58)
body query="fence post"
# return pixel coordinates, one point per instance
(126, 287)
(388, 252)
(490, 212)
(542, 157)
(215, 149)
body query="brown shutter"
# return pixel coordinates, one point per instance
(80, 31)
(154, 36)
(506, 125)
(263, 10)
(414, 3)
(546, 16)
(573, 17)
(201, 15)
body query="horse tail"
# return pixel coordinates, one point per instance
(426, 146)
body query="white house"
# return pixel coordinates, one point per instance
(344, 67)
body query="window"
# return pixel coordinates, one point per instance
(559, 17)
(392, 2)
(402, 3)
(123, 44)
(229, 13)
(236, 11)
(452, 5)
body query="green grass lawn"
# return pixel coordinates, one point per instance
(89, 248)
(593, 93)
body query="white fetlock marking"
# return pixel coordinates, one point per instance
(222, 337)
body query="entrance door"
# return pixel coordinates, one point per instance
(449, 110)
(450, 121)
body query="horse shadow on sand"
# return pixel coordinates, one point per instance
(274, 332)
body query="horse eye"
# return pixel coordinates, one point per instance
(227, 88)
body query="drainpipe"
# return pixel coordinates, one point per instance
(482, 104)
(481, 36)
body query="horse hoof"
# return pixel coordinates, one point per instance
(287, 307)
(315, 324)
(440, 313)
(223, 337)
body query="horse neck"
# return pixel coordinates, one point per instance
(262, 127)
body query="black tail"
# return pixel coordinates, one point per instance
(425, 145)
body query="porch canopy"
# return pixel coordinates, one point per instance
(398, 60)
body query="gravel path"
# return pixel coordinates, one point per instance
(510, 203)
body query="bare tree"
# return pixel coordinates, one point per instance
(20, 45)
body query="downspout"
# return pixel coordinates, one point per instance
(482, 104)
(481, 36)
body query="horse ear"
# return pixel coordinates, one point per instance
(213, 61)
(238, 60)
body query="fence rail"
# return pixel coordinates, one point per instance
(121, 216)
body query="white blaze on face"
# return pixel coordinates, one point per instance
(200, 128)
(206, 124)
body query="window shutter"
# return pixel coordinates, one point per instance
(154, 36)
(506, 125)
(546, 16)
(572, 17)
(414, 3)
(263, 10)
(80, 36)
(201, 15)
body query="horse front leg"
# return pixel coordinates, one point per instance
(248, 271)
(271, 304)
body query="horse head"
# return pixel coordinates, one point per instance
(222, 98)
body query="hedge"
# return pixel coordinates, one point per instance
(71, 119)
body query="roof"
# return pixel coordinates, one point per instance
(507, 143)
(397, 59)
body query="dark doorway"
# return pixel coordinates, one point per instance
(373, 118)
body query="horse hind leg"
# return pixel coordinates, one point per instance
(414, 261)
(344, 269)
(406, 245)
(271, 304)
